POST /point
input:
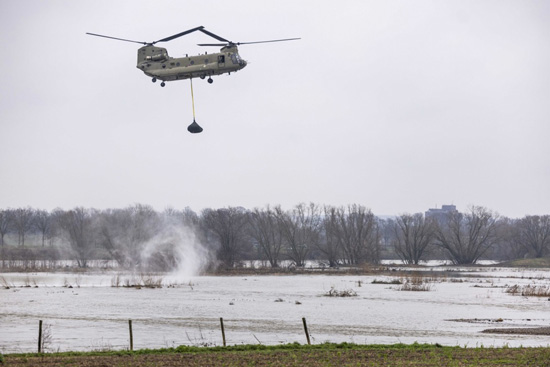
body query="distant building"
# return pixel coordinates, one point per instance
(440, 214)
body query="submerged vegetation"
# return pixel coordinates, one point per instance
(416, 284)
(529, 290)
(333, 292)
(344, 354)
(141, 280)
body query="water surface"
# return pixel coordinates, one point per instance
(85, 312)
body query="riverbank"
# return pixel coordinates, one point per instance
(255, 268)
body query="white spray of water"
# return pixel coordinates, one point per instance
(183, 247)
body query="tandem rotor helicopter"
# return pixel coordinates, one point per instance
(155, 62)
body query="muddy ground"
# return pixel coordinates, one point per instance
(387, 356)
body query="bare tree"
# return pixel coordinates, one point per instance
(56, 232)
(300, 230)
(43, 223)
(385, 227)
(330, 243)
(359, 234)
(22, 219)
(264, 230)
(413, 234)
(111, 228)
(467, 237)
(190, 219)
(80, 231)
(508, 245)
(6, 221)
(533, 233)
(228, 225)
(125, 232)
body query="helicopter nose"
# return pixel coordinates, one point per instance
(243, 63)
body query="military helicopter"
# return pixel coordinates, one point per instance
(155, 62)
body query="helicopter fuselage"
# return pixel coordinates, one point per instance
(155, 62)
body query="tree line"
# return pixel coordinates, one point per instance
(139, 237)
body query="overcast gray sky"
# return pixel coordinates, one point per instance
(395, 105)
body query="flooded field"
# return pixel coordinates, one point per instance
(91, 311)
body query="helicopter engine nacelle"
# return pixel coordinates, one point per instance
(151, 53)
(158, 57)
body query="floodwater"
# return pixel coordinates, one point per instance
(88, 312)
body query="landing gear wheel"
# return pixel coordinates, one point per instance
(154, 80)
(210, 80)
(162, 84)
(203, 76)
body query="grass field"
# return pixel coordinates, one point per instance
(295, 355)
(543, 262)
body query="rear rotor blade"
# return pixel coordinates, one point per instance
(115, 38)
(180, 34)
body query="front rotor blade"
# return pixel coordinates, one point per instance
(179, 34)
(214, 36)
(212, 44)
(281, 40)
(114, 38)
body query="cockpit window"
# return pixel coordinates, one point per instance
(235, 58)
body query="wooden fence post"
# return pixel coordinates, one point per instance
(131, 335)
(305, 329)
(39, 336)
(223, 330)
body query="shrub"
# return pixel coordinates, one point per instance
(333, 292)
(529, 290)
(415, 284)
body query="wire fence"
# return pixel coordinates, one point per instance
(45, 336)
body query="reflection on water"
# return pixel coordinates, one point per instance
(86, 312)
